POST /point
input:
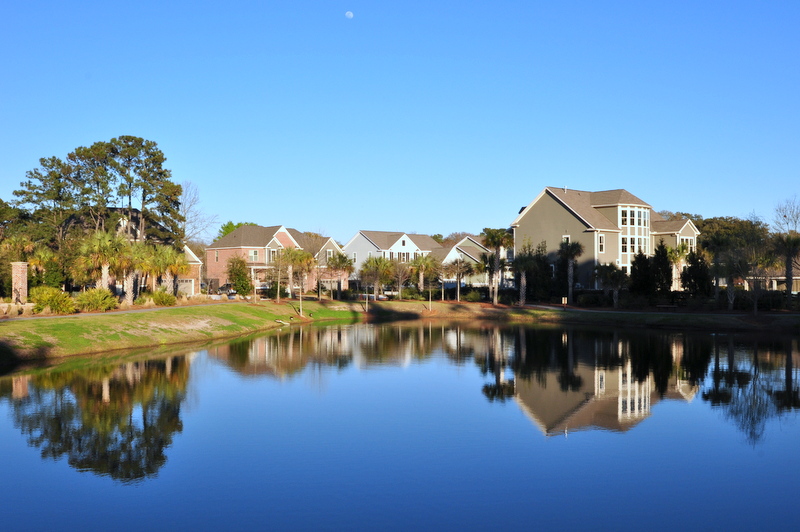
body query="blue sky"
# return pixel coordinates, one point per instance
(426, 117)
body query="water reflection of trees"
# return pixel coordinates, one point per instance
(748, 384)
(110, 420)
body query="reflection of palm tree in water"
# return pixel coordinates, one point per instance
(88, 415)
(496, 362)
(567, 378)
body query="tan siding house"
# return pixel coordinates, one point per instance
(612, 225)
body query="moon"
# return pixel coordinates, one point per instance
(349, 14)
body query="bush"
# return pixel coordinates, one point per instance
(163, 299)
(47, 297)
(97, 299)
(473, 296)
(413, 294)
(141, 300)
(594, 299)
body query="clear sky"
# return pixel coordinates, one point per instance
(415, 116)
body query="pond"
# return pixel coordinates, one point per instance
(403, 426)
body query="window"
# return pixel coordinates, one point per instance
(216, 256)
(624, 217)
(329, 254)
(624, 244)
(391, 255)
(639, 217)
(354, 257)
(565, 238)
(601, 243)
(253, 255)
(273, 255)
(403, 243)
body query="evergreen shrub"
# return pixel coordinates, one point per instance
(97, 299)
(48, 297)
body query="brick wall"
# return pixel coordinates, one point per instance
(19, 281)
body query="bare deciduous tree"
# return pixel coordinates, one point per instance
(196, 223)
(787, 216)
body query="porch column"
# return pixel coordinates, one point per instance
(19, 282)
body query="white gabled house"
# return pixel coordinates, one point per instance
(389, 245)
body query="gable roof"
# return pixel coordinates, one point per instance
(247, 236)
(312, 242)
(671, 226)
(584, 204)
(386, 239)
(382, 239)
(424, 242)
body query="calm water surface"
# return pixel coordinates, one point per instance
(412, 426)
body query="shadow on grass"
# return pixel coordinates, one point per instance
(379, 314)
(11, 361)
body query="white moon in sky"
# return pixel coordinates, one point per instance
(349, 14)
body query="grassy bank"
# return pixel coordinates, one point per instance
(47, 338)
(50, 337)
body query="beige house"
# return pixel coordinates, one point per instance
(612, 225)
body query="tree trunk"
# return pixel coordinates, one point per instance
(290, 281)
(523, 288)
(616, 298)
(130, 278)
(168, 283)
(303, 282)
(789, 281)
(104, 276)
(731, 293)
(570, 273)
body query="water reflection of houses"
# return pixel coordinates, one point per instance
(596, 385)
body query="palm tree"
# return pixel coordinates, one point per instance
(523, 264)
(376, 270)
(301, 263)
(17, 248)
(611, 278)
(459, 269)
(422, 265)
(340, 264)
(497, 238)
(99, 251)
(40, 257)
(569, 252)
(171, 263)
(131, 259)
(787, 246)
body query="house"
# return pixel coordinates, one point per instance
(260, 247)
(612, 225)
(389, 245)
(189, 283)
(129, 224)
(469, 249)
